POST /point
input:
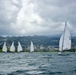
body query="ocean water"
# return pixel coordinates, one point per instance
(37, 63)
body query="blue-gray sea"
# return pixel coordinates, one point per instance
(37, 63)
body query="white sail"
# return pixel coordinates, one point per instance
(65, 40)
(31, 47)
(12, 48)
(4, 49)
(19, 48)
(60, 43)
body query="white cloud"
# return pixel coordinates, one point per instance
(28, 20)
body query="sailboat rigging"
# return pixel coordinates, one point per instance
(65, 40)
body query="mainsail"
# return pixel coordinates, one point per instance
(31, 47)
(4, 49)
(12, 48)
(65, 39)
(19, 48)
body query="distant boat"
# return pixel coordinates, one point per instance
(4, 49)
(32, 47)
(12, 48)
(19, 48)
(65, 40)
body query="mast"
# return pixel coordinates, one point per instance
(64, 35)
(65, 39)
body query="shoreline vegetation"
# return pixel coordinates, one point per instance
(43, 50)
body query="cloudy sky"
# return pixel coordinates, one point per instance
(36, 17)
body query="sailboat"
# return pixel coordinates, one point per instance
(31, 47)
(65, 40)
(19, 48)
(12, 48)
(4, 49)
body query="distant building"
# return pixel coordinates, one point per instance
(56, 48)
(50, 47)
(41, 47)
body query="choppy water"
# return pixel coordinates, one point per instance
(44, 63)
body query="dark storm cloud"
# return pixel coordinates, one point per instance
(21, 17)
(58, 11)
(8, 14)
